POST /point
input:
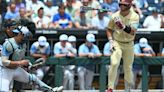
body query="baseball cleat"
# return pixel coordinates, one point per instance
(57, 89)
(110, 90)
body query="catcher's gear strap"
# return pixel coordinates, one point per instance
(10, 57)
(127, 29)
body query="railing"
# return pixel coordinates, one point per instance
(102, 61)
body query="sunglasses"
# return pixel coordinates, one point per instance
(127, 5)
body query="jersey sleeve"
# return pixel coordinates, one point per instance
(32, 49)
(106, 49)
(111, 23)
(7, 49)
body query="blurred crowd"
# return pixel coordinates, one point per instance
(69, 14)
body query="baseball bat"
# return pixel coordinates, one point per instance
(86, 8)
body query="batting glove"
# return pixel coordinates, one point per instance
(119, 23)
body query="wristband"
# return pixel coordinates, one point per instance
(6, 62)
(127, 29)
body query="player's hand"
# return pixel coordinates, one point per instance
(111, 45)
(70, 55)
(24, 63)
(119, 23)
(90, 55)
(44, 56)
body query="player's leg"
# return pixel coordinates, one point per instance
(65, 80)
(128, 58)
(89, 78)
(6, 76)
(81, 71)
(114, 64)
(39, 73)
(23, 76)
(71, 80)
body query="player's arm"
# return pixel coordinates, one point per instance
(98, 53)
(13, 64)
(109, 34)
(39, 55)
(109, 29)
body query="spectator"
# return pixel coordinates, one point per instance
(76, 4)
(49, 9)
(64, 49)
(141, 4)
(86, 72)
(72, 11)
(153, 21)
(94, 4)
(19, 4)
(11, 13)
(40, 49)
(82, 21)
(69, 71)
(62, 19)
(41, 21)
(110, 5)
(23, 14)
(100, 21)
(3, 9)
(138, 10)
(141, 49)
(32, 7)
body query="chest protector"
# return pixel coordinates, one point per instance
(18, 52)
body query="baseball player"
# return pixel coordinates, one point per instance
(40, 49)
(121, 33)
(6, 33)
(69, 71)
(13, 60)
(141, 49)
(64, 49)
(86, 72)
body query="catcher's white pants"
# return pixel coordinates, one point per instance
(7, 75)
(85, 78)
(19, 74)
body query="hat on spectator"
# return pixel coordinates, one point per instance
(143, 42)
(22, 29)
(90, 38)
(42, 40)
(63, 37)
(72, 38)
